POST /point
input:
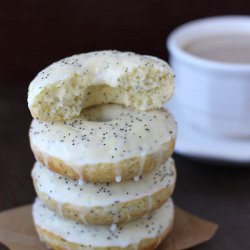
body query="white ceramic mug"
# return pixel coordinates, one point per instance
(213, 96)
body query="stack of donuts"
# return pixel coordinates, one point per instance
(103, 144)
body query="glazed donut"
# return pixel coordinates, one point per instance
(107, 143)
(104, 203)
(64, 88)
(60, 233)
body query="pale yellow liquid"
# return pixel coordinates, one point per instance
(229, 48)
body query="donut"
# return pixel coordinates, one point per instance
(106, 143)
(63, 89)
(104, 203)
(144, 233)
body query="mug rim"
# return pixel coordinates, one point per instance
(178, 51)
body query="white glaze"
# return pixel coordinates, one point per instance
(137, 178)
(135, 246)
(81, 181)
(83, 217)
(101, 236)
(59, 207)
(113, 227)
(116, 217)
(65, 190)
(118, 178)
(143, 158)
(123, 134)
(95, 68)
(150, 203)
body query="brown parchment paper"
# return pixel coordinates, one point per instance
(17, 231)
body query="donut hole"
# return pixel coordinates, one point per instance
(104, 94)
(101, 114)
(100, 119)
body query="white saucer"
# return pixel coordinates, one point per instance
(193, 142)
